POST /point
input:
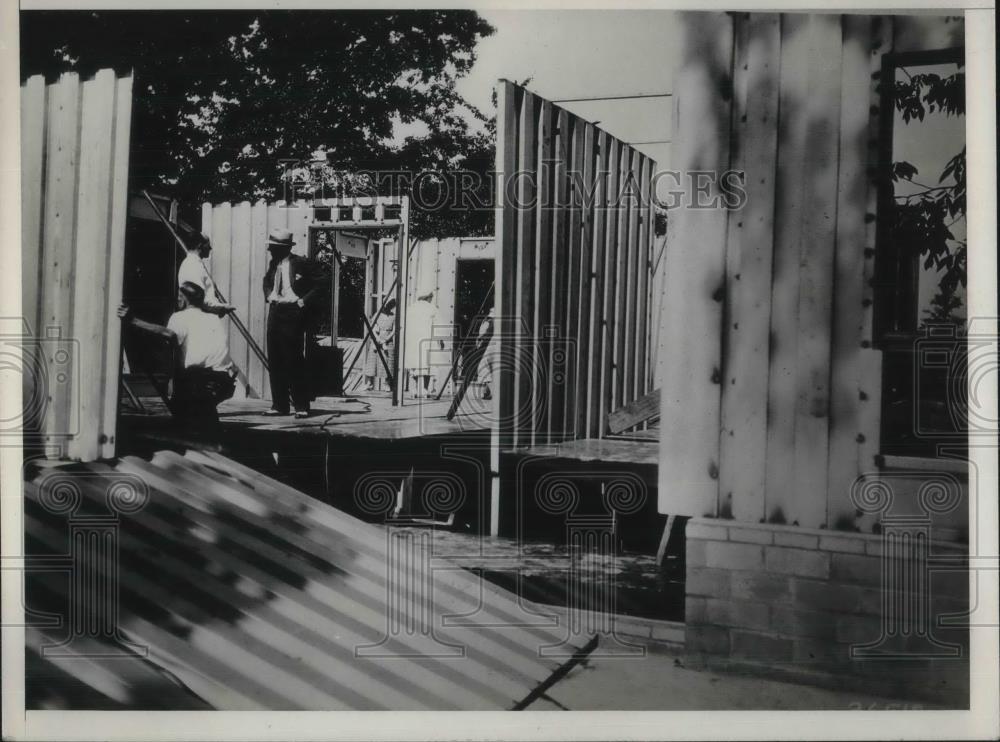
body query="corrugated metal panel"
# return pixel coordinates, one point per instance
(257, 596)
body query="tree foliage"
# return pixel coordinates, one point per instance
(225, 100)
(923, 220)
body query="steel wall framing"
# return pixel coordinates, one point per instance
(574, 235)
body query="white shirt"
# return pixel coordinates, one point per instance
(202, 337)
(192, 270)
(281, 292)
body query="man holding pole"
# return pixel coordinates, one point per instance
(193, 270)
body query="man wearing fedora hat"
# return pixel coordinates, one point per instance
(290, 285)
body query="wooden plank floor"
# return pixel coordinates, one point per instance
(609, 450)
(358, 416)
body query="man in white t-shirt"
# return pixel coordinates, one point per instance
(205, 373)
(193, 270)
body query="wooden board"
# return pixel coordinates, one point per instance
(113, 359)
(58, 258)
(789, 207)
(91, 243)
(239, 291)
(445, 287)
(743, 442)
(33, 122)
(690, 409)
(634, 413)
(256, 315)
(222, 255)
(816, 256)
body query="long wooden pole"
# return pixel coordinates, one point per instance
(232, 315)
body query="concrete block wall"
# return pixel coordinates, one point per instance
(792, 602)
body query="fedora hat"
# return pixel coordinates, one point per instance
(280, 237)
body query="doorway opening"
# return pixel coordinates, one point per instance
(473, 301)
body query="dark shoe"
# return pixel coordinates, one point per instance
(276, 413)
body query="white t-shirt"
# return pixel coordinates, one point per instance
(202, 337)
(192, 270)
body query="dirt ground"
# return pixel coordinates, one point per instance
(660, 682)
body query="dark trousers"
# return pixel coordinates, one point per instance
(286, 342)
(197, 391)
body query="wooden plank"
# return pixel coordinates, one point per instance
(32, 172)
(586, 267)
(542, 318)
(816, 260)
(612, 216)
(788, 209)
(91, 247)
(239, 291)
(256, 316)
(557, 296)
(506, 159)
(524, 308)
(595, 421)
(743, 444)
(870, 370)
(690, 409)
(661, 550)
(634, 413)
(848, 314)
(447, 265)
(222, 219)
(121, 137)
(63, 149)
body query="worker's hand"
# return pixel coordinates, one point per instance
(124, 312)
(300, 303)
(228, 309)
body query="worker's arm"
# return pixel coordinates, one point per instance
(126, 316)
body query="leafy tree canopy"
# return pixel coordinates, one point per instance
(225, 99)
(924, 220)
